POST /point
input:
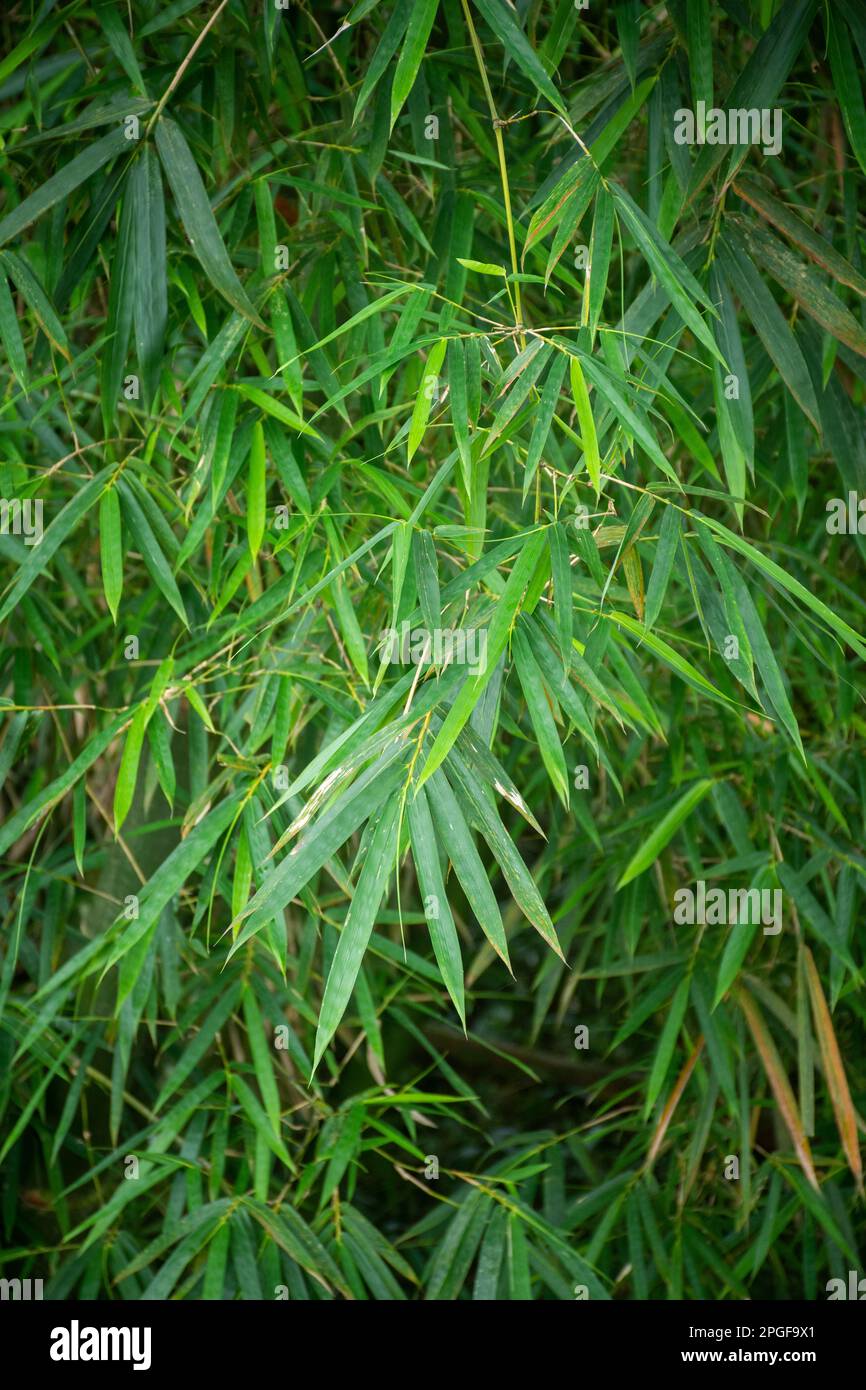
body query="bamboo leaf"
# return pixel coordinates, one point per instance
(667, 827)
(779, 1084)
(421, 18)
(111, 549)
(192, 202)
(357, 927)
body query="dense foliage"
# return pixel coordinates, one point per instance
(423, 587)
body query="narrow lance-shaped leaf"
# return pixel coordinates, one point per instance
(497, 637)
(427, 392)
(10, 334)
(460, 407)
(667, 827)
(144, 538)
(195, 209)
(543, 418)
(456, 838)
(111, 548)
(150, 306)
(543, 724)
(501, 20)
(421, 17)
(124, 789)
(358, 926)
(55, 534)
(586, 423)
(256, 490)
(440, 922)
(64, 182)
(667, 1041)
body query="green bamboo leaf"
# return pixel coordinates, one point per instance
(10, 334)
(27, 814)
(220, 442)
(515, 386)
(800, 280)
(440, 923)
(457, 389)
(586, 423)
(424, 399)
(192, 203)
(61, 184)
(39, 556)
(497, 637)
(113, 29)
(344, 1151)
(540, 715)
(629, 418)
(163, 884)
(599, 260)
(516, 45)
(681, 286)
(769, 323)
(483, 267)
(666, 551)
(402, 212)
(700, 49)
(786, 581)
(111, 549)
(149, 273)
(760, 81)
(543, 418)
(256, 491)
(160, 746)
(358, 926)
(563, 602)
(739, 939)
(846, 82)
(807, 904)
(318, 843)
(674, 1016)
(669, 655)
(421, 19)
(124, 789)
(800, 233)
(201, 1043)
(520, 882)
(259, 1121)
(427, 578)
(456, 839)
(667, 827)
(350, 629)
(627, 14)
(143, 537)
(734, 389)
(385, 50)
(31, 290)
(262, 1059)
(376, 306)
(570, 215)
(288, 1229)
(121, 308)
